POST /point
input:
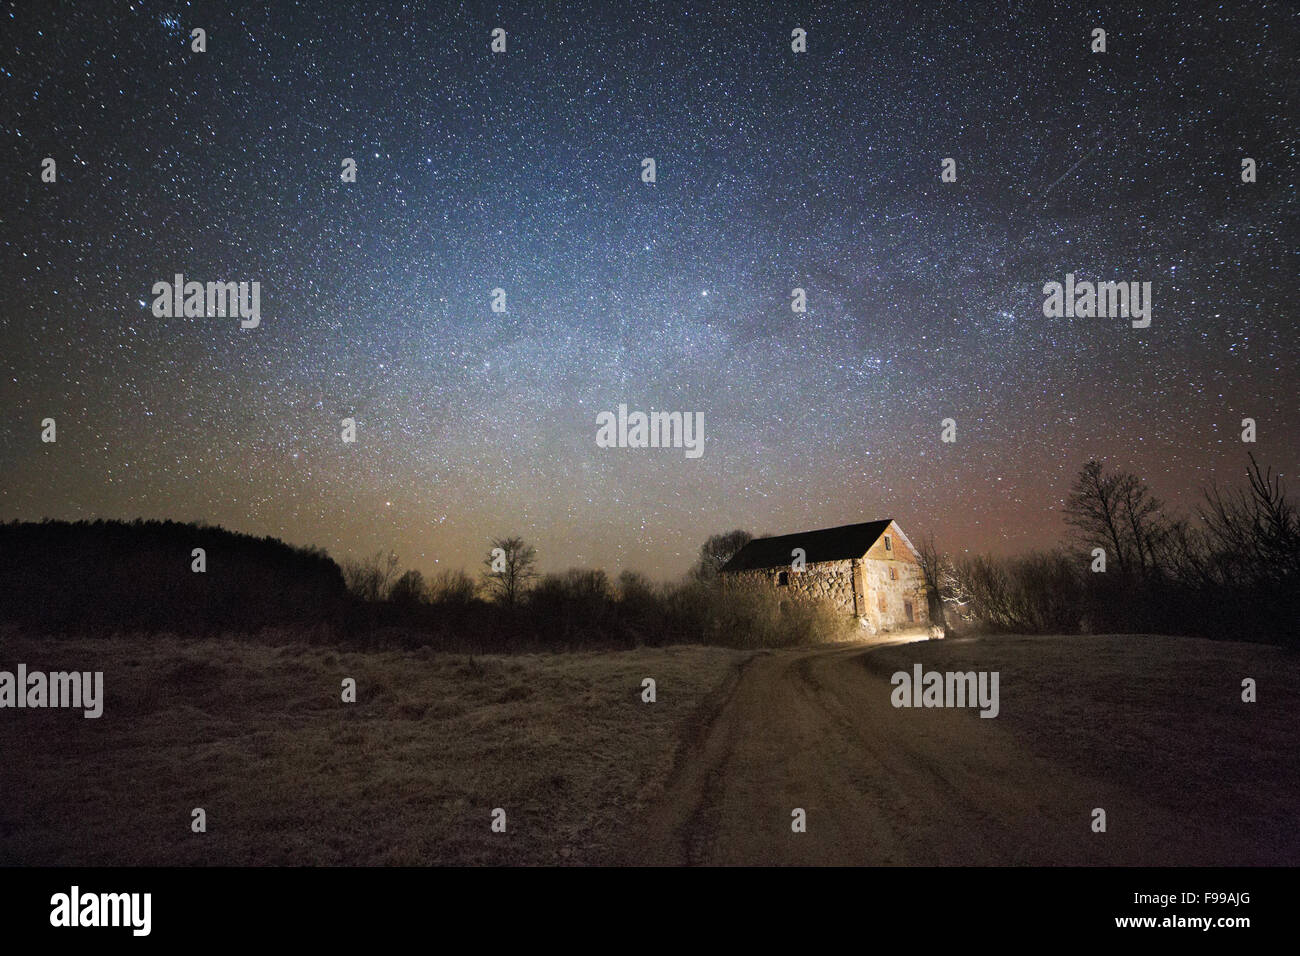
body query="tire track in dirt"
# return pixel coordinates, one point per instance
(881, 785)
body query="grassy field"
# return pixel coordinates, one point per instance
(1161, 717)
(258, 737)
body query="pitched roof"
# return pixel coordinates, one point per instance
(828, 544)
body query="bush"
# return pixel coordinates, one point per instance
(1038, 593)
(748, 615)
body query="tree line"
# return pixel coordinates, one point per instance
(513, 606)
(1230, 568)
(104, 577)
(161, 576)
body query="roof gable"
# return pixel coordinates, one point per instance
(829, 544)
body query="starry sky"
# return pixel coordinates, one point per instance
(522, 171)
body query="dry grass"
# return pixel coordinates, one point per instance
(1161, 716)
(288, 774)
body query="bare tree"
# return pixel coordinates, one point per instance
(371, 578)
(1253, 535)
(1118, 513)
(939, 577)
(509, 569)
(1144, 521)
(452, 586)
(717, 551)
(1092, 510)
(409, 589)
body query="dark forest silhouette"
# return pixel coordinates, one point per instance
(138, 575)
(1231, 570)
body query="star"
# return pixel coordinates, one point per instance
(777, 171)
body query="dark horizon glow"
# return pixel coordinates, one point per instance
(521, 171)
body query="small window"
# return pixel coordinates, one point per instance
(889, 545)
(907, 609)
(893, 573)
(783, 579)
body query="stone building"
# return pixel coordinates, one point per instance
(869, 570)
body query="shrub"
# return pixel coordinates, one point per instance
(1037, 593)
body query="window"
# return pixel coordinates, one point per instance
(907, 609)
(783, 579)
(889, 545)
(893, 573)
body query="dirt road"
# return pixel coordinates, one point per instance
(816, 730)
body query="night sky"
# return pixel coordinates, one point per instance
(522, 171)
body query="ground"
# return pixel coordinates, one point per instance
(1151, 729)
(258, 737)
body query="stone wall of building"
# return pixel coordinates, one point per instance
(887, 595)
(888, 578)
(830, 581)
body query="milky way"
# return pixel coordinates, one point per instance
(521, 171)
